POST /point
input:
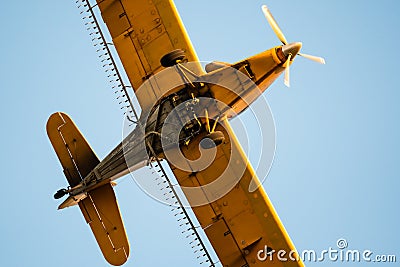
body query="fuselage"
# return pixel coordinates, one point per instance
(225, 91)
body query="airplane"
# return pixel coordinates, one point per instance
(184, 121)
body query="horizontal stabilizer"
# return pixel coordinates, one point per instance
(75, 154)
(101, 212)
(71, 201)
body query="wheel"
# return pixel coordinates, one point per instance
(170, 59)
(60, 193)
(213, 139)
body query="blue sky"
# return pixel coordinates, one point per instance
(335, 173)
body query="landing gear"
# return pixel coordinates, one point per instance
(172, 58)
(60, 193)
(213, 139)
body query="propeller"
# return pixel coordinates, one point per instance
(290, 50)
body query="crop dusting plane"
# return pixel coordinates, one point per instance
(184, 121)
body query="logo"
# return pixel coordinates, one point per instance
(333, 254)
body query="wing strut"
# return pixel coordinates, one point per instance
(185, 214)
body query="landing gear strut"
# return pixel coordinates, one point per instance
(213, 138)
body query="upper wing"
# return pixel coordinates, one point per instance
(239, 224)
(143, 31)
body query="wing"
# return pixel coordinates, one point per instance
(240, 224)
(143, 31)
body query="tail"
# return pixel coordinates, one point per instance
(98, 205)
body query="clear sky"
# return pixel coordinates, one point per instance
(335, 173)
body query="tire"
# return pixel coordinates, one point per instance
(213, 139)
(60, 193)
(170, 59)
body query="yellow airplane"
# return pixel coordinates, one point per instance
(222, 188)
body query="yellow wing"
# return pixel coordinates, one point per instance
(240, 224)
(143, 31)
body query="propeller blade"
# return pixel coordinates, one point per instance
(274, 25)
(287, 71)
(313, 58)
